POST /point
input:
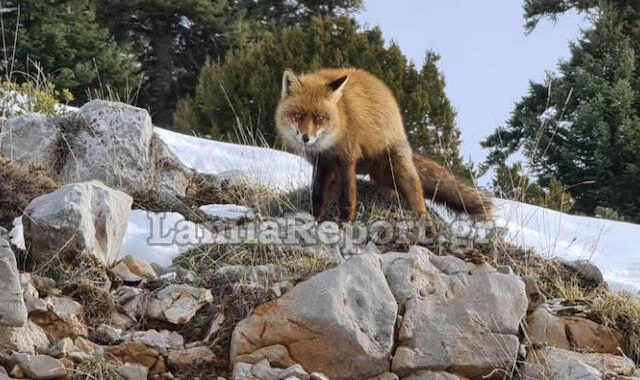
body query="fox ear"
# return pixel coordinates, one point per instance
(290, 82)
(336, 88)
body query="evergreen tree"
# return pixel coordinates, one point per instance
(172, 40)
(583, 125)
(287, 12)
(245, 88)
(63, 39)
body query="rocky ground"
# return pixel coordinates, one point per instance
(71, 307)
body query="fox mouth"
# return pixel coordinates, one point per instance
(305, 142)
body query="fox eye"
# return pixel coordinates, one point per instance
(319, 119)
(297, 116)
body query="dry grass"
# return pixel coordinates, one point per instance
(18, 187)
(96, 368)
(98, 304)
(622, 312)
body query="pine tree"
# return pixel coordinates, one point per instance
(172, 40)
(583, 125)
(63, 39)
(245, 88)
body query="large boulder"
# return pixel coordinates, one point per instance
(339, 322)
(29, 139)
(84, 217)
(456, 316)
(111, 143)
(13, 311)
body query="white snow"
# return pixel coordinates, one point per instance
(272, 168)
(228, 212)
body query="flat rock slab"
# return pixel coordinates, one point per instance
(456, 316)
(339, 322)
(13, 311)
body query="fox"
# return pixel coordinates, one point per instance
(347, 122)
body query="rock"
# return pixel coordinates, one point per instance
(29, 139)
(136, 353)
(242, 371)
(79, 356)
(140, 268)
(112, 144)
(62, 348)
(13, 312)
(350, 305)
(277, 355)
(257, 273)
(86, 217)
(121, 321)
(29, 338)
(385, 376)
(130, 371)
(214, 328)
(194, 357)
(555, 363)
(177, 304)
(106, 334)
(534, 295)
(295, 371)
(39, 367)
(317, 376)
(455, 315)
(63, 318)
(28, 286)
(587, 270)
(571, 333)
(88, 347)
(429, 375)
(263, 371)
(170, 178)
(161, 341)
(132, 300)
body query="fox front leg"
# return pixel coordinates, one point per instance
(348, 195)
(323, 188)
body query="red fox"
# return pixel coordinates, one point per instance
(347, 121)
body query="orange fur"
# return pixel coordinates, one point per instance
(347, 121)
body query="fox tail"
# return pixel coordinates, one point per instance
(441, 185)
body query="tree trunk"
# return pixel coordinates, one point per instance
(161, 79)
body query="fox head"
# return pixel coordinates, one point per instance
(308, 117)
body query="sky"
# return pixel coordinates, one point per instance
(487, 58)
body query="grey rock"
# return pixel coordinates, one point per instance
(13, 311)
(29, 139)
(112, 144)
(63, 317)
(318, 376)
(177, 304)
(39, 367)
(431, 375)
(29, 338)
(106, 334)
(132, 371)
(161, 341)
(242, 371)
(84, 217)
(455, 315)
(345, 312)
(62, 348)
(587, 269)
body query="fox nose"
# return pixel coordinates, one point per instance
(305, 138)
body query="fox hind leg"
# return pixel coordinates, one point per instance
(397, 171)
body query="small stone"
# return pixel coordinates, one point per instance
(318, 376)
(216, 325)
(62, 348)
(242, 371)
(39, 367)
(192, 357)
(263, 370)
(177, 304)
(122, 272)
(79, 356)
(161, 341)
(132, 371)
(106, 334)
(140, 268)
(295, 371)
